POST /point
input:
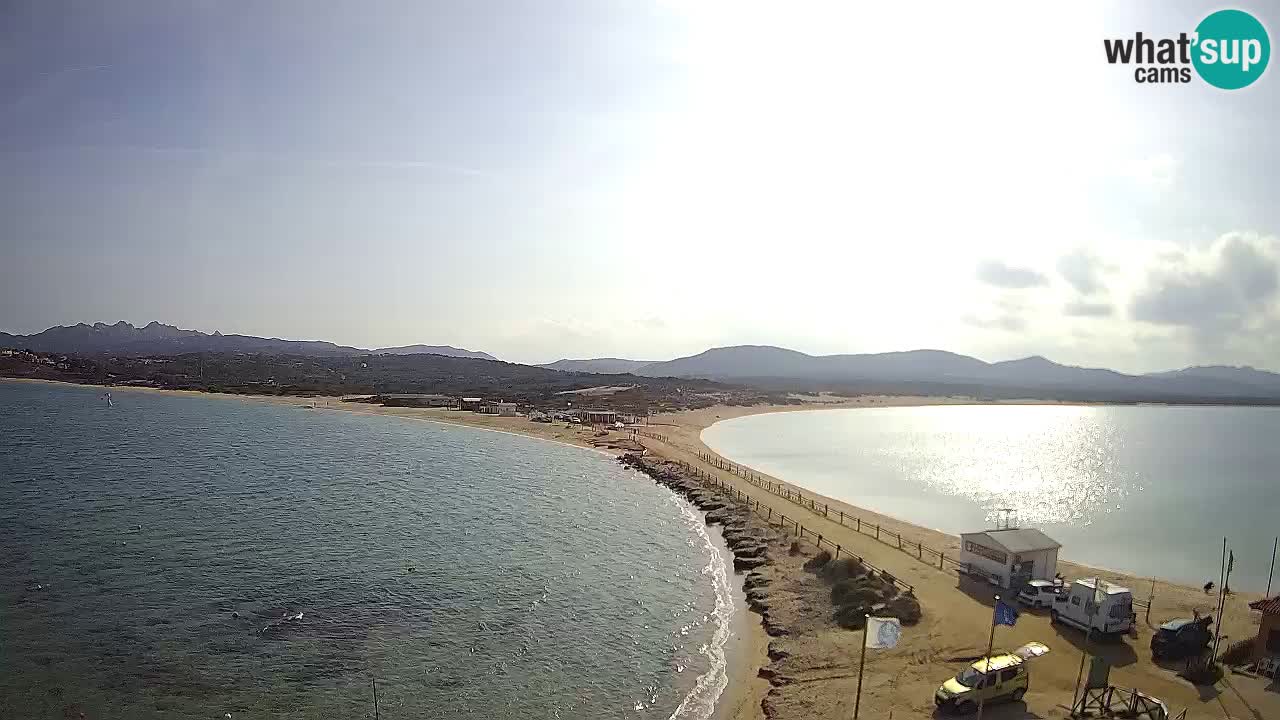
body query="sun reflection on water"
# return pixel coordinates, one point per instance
(1048, 467)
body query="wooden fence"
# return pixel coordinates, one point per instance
(788, 525)
(920, 551)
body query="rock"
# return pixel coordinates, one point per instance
(758, 599)
(773, 629)
(776, 652)
(741, 564)
(774, 677)
(754, 580)
(750, 551)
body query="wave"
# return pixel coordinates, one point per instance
(700, 703)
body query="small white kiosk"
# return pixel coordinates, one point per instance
(1010, 557)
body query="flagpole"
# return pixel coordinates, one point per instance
(1222, 602)
(857, 701)
(1226, 583)
(991, 641)
(1084, 650)
(1273, 567)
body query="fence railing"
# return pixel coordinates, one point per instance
(786, 524)
(914, 548)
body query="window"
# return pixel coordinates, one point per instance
(1008, 675)
(1121, 610)
(1273, 641)
(1075, 599)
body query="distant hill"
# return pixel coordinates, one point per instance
(934, 371)
(446, 350)
(156, 338)
(603, 366)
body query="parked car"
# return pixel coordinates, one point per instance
(1181, 638)
(1039, 593)
(1002, 676)
(1095, 606)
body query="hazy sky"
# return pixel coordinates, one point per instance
(545, 179)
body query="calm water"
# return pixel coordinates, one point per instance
(547, 581)
(1150, 490)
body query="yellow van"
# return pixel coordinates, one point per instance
(1000, 677)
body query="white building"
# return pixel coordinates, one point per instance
(1011, 557)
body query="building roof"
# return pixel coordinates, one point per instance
(1017, 540)
(418, 396)
(470, 399)
(1268, 606)
(1106, 587)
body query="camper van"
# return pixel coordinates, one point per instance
(1096, 606)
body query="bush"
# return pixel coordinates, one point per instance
(843, 569)
(904, 607)
(851, 617)
(854, 592)
(817, 562)
(795, 547)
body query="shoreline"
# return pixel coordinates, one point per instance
(955, 616)
(745, 650)
(1086, 568)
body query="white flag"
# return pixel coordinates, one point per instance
(883, 632)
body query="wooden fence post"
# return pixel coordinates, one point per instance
(941, 557)
(877, 532)
(859, 524)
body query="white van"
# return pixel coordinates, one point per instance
(1095, 605)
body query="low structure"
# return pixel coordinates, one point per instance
(506, 409)
(1010, 557)
(1267, 645)
(418, 400)
(598, 417)
(470, 403)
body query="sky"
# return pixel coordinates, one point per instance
(543, 179)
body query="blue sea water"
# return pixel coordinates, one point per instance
(149, 551)
(1150, 490)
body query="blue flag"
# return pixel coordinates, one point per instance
(1005, 614)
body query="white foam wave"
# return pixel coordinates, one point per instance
(700, 703)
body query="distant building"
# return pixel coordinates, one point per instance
(418, 400)
(470, 403)
(1267, 644)
(507, 409)
(598, 417)
(1010, 557)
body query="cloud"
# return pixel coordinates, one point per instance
(1081, 308)
(1083, 270)
(1009, 322)
(1223, 294)
(994, 272)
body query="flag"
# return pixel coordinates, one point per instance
(1006, 614)
(883, 633)
(1231, 555)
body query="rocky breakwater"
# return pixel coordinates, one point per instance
(754, 544)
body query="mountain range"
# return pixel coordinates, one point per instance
(908, 372)
(156, 338)
(939, 371)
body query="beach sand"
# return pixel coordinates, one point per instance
(822, 664)
(823, 659)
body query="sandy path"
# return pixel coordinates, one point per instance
(957, 615)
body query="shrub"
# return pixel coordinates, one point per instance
(854, 592)
(843, 569)
(817, 562)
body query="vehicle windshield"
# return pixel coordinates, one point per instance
(969, 678)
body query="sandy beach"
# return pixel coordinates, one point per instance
(821, 660)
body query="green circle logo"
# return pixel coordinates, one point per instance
(1232, 50)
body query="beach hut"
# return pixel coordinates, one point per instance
(1266, 647)
(470, 403)
(1010, 557)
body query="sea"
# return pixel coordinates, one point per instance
(1149, 490)
(175, 556)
